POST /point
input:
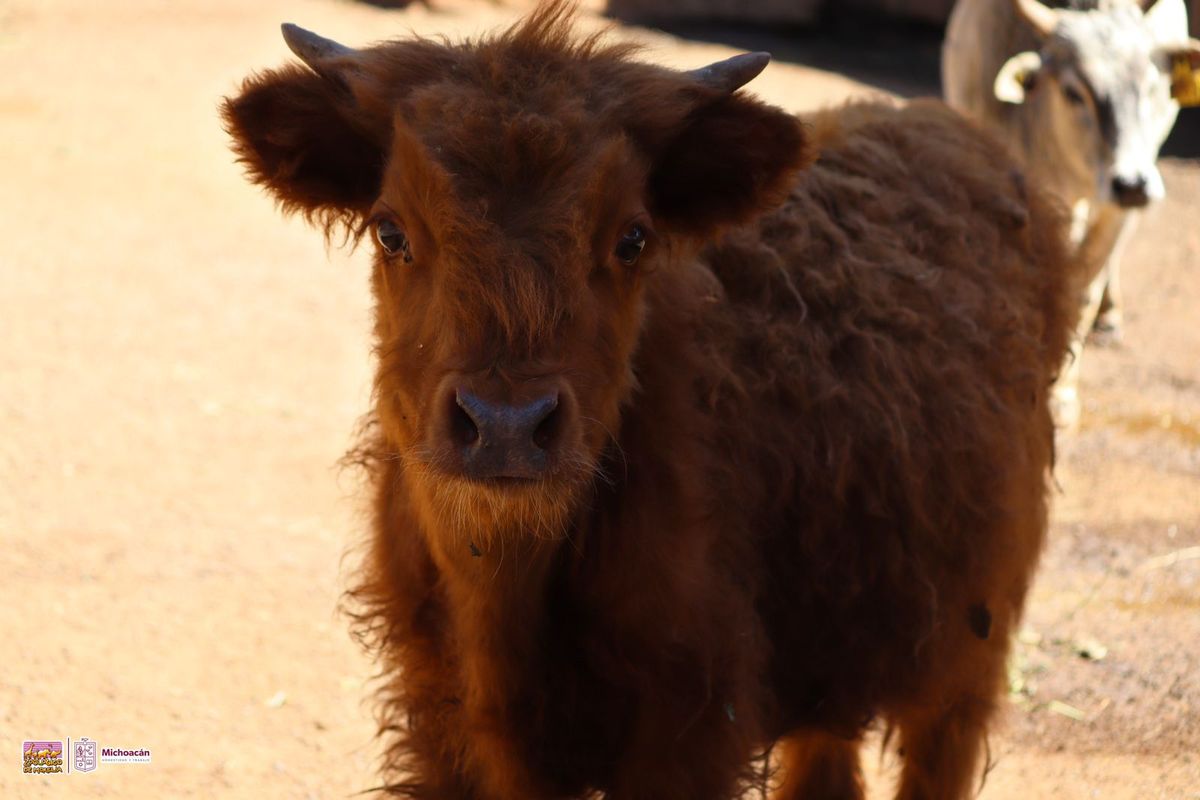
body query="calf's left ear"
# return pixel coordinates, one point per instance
(731, 158)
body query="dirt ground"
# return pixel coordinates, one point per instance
(180, 370)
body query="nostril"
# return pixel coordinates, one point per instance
(547, 430)
(1131, 191)
(1129, 185)
(498, 439)
(463, 427)
(500, 427)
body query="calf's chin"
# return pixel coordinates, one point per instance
(485, 513)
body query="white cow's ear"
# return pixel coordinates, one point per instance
(1184, 66)
(1168, 21)
(1016, 77)
(1190, 49)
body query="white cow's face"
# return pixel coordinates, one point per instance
(1099, 89)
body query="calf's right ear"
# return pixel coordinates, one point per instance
(302, 135)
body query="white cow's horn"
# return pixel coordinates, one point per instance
(1043, 18)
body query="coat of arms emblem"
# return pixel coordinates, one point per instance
(84, 752)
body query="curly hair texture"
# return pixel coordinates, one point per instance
(701, 432)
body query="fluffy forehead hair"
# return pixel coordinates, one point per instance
(509, 149)
(519, 233)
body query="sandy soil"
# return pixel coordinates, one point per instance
(180, 371)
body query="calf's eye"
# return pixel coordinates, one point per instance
(1073, 95)
(631, 245)
(392, 240)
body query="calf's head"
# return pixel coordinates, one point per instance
(1100, 91)
(519, 193)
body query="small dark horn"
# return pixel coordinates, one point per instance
(732, 73)
(312, 48)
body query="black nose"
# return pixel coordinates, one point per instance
(1130, 192)
(501, 440)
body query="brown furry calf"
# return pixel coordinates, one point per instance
(681, 449)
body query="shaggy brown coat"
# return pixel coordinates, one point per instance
(801, 473)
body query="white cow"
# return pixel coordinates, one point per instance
(1084, 95)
